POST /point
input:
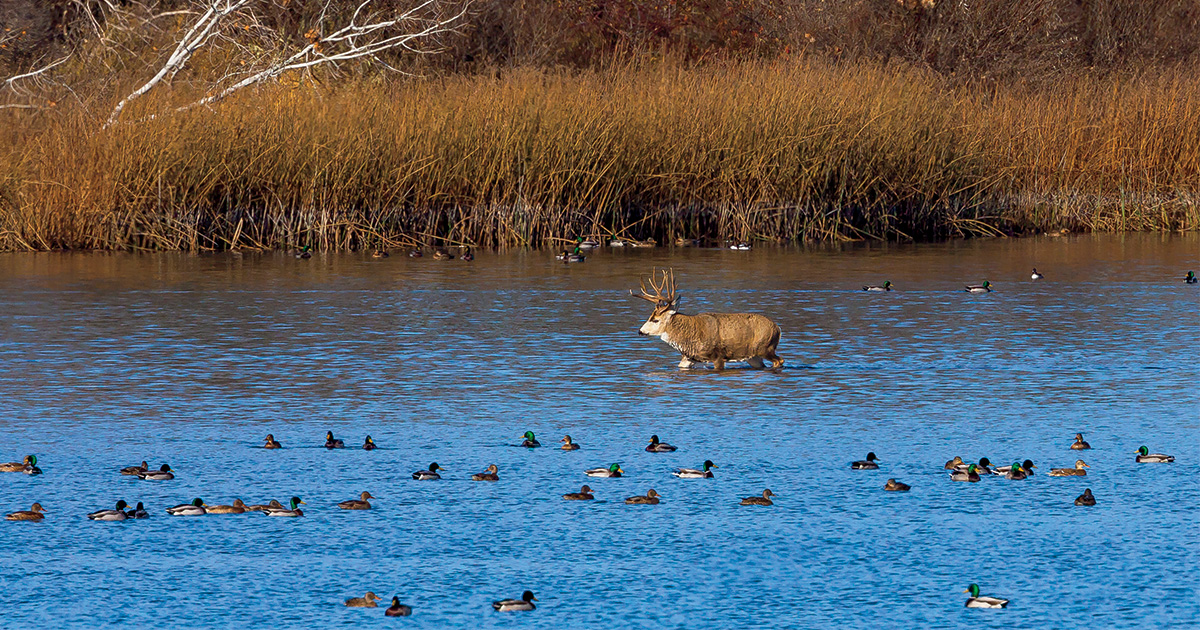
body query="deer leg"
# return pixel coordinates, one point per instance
(755, 362)
(776, 361)
(718, 364)
(686, 363)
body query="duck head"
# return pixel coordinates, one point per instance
(529, 436)
(708, 464)
(296, 501)
(121, 505)
(871, 457)
(434, 467)
(1143, 451)
(1028, 465)
(973, 590)
(528, 596)
(616, 468)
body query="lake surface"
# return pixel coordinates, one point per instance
(110, 359)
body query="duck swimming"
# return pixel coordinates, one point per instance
(971, 474)
(379, 253)
(530, 441)
(238, 507)
(270, 443)
(1035, 275)
(986, 287)
(293, 511)
(164, 473)
(1190, 278)
(650, 498)
(397, 609)
(896, 486)
(17, 466)
(613, 470)
(976, 601)
(369, 444)
(570, 257)
(428, 475)
(1144, 456)
(134, 470)
(765, 499)
(271, 505)
(1078, 470)
(886, 286)
(366, 601)
(138, 512)
(984, 467)
(487, 475)
(866, 464)
(305, 252)
(692, 473)
(360, 503)
(1016, 472)
(440, 253)
(195, 508)
(31, 468)
(111, 515)
(954, 463)
(584, 494)
(331, 442)
(658, 447)
(467, 256)
(568, 445)
(516, 605)
(1079, 444)
(34, 513)
(1086, 498)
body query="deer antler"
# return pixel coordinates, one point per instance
(658, 297)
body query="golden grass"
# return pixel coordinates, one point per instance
(784, 151)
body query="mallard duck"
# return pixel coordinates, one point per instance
(1086, 498)
(687, 242)
(516, 605)
(692, 473)
(238, 507)
(138, 512)
(975, 601)
(984, 467)
(269, 442)
(135, 470)
(886, 286)
(293, 511)
(569, 445)
(896, 486)
(397, 609)
(1077, 471)
(366, 601)
(18, 466)
(31, 467)
(467, 256)
(646, 244)
(742, 247)
(1191, 278)
(379, 253)
(530, 441)
(986, 287)
(1144, 456)
(617, 242)
(866, 464)
(271, 505)
(584, 494)
(1079, 444)
(658, 447)
(428, 475)
(971, 474)
(650, 498)
(570, 257)
(587, 243)
(164, 473)
(111, 515)
(954, 463)
(487, 475)
(305, 252)
(195, 508)
(765, 499)
(1035, 275)
(415, 253)
(32, 514)
(360, 503)
(369, 444)
(440, 253)
(331, 442)
(1016, 472)
(613, 470)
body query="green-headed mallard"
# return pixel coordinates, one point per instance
(530, 440)
(584, 494)
(1144, 456)
(1079, 444)
(1078, 470)
(1035, 275)
(487, 475)
(429, 474)
(692, 473)
(568, 256)
(986, 287)
(954, 463)
(1016, 472)
(269, 442)
(975, 601)
(31, 467)
(111, 515)
(516, 605)
(658, 447)
(293, 511)
(138, 512)
(614, 470)
(164, 473)
(369, 444)
(886, 286)
(650, 498)
(397, 609)
(32, 514)
(568, 444)
(984, 467)
(366, 601)
(866, 464)
(195, 508)
(1190, 278)
(971, 474)
(135, 470)
(305, 252)
(238, 507)
(360, 503)
(1086, 498)
(332, 442)
(270, 505)
(765, 499)
(896, 486)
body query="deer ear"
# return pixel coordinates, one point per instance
(662, 303)
(675, 303)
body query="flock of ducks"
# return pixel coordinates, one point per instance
(987, 287)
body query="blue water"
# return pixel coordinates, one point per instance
(109, 359)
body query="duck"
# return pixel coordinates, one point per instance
(530, 440)
(34, 513)
(369, 444)
(617, 242)
(270, 505)
(366, 601)
(332, 442)
(397, 609)
(135, 470)
(1191, 278)
(986, 287)
(571, 257)
(270, 443)
(360, 503)
(984, 467)
(568, 444)
(516, 605)
(31, 468)
(17, 466)
(467, 256)
(415, 253)
(1027, 466)
(886, 286)
(487, 475)
(238, 507)
(117, 514)
(138, 512)
(954, 463)
(305, 252)
(428, 475)
(976, 601)
(1077, 471)
(1079, 444)
(896, 486)
(1035, 275)
(584, 494)
(692, 473)
(613, 470)
(1086, 498)
(379, 253)
(287, 512)
(164, 473)
(440, 253)
(586, 243)
(971, 474)
(195, 508)
(658, 447)
(741, 246)
(1016, 473)
(650, 498)
(687, 242)
(765, 499)
(866, 464)
(1144, 456)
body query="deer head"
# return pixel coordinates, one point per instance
(665, 302)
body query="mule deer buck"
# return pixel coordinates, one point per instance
(708, 337)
